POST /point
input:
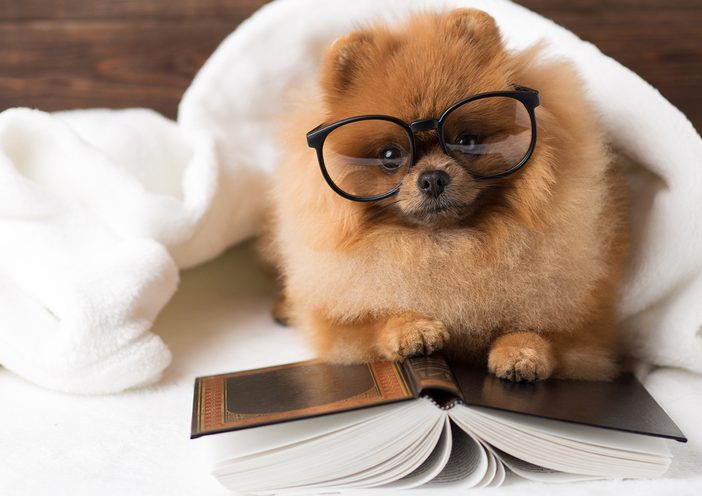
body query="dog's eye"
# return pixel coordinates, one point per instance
(391, 157)
(468, 142)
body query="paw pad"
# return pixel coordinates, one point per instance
(519, 364)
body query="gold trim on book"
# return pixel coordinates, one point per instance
(199, 405)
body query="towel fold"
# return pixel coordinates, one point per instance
(99, 209)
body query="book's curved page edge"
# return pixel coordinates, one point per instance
(244, 442)
(537, 473)
(500, 473)
(578, 435)
(492, 470)
(431, 466)
(550, 453)
(341, 460)
(398, 464)
(467, 467)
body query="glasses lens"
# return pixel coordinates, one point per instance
(367, 158)
(488, 136)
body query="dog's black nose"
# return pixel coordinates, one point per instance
(432, 183)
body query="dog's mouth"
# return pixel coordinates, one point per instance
(444, 210)
(436, 209)
(431, 211)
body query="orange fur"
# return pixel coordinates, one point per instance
(525, 272)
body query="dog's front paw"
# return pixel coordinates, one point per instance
(406, 336)
(521, 356)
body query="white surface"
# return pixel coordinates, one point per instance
(137, 442)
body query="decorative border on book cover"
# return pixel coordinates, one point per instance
(387, 383)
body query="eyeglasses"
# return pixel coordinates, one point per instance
(365, 158)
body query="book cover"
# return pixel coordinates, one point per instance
(294, 391)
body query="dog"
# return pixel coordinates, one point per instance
(421, 230)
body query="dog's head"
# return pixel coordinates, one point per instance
(416, 74)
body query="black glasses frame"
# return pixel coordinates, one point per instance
(316, 137)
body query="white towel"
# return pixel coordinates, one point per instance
(98, 208)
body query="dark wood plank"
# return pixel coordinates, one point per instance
(60, 54)
(661, 40)
(605, 7)
(63, 54)
(69, 64)
(120, 9)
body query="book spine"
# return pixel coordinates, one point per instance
(194, 426)
(431, 373)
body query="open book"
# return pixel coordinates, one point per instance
(315, 427)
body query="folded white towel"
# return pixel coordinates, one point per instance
(77, 293)
(97, 208)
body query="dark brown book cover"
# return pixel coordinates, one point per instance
(622, 404)
(307, 389)
(293, 391)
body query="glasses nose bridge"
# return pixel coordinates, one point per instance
(424, 125)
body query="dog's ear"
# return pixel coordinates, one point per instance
(345, 59)
(354, 54)
(474, 25)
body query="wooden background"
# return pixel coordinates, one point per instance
(61, 54)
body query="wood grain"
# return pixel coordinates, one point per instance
(126, 9)
(661, 40)
(145, 62)
(80, 53)
(64, 54)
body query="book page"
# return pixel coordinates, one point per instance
(238, 444)
(431, 466)
(393, 465)
(362, 481)
(467, 465)
(580, 434)
(500, 473)
(378, 450)
(537, 473)
(557, 453)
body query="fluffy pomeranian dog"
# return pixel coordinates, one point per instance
(442, 204)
